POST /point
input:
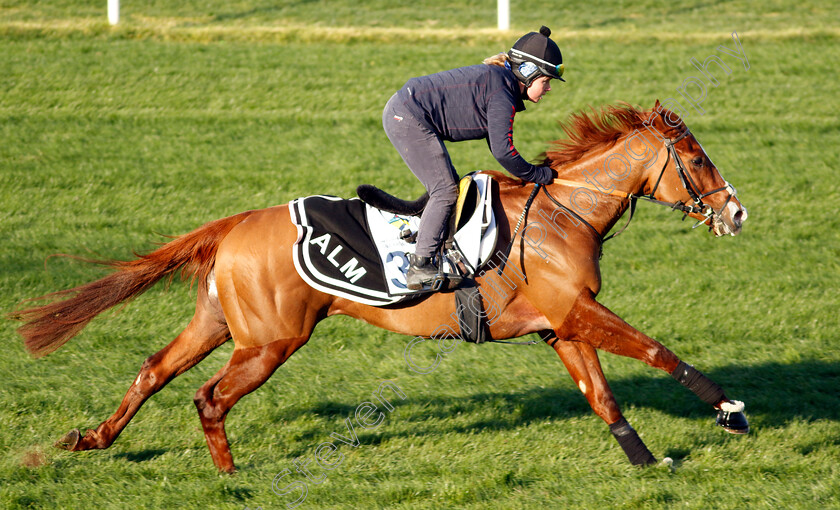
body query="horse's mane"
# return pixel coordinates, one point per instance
(585, 131)
(589, 130)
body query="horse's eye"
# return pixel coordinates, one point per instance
(697, 161)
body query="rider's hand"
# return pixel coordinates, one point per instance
(546, 175)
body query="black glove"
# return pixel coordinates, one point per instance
(546, 175)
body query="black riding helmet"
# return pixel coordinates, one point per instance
(534, 54)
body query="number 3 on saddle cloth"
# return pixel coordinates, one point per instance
(348, 248)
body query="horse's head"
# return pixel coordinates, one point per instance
(689, 180)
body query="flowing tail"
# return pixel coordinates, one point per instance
(48, 327)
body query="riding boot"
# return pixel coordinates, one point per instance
(420, 271)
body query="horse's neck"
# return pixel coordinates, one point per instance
(593, 185)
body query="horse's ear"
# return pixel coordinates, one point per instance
(656, 117)
(663, 118)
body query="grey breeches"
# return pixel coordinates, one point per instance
(425, 155)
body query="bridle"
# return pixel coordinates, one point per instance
(697, 197)
(710, 215)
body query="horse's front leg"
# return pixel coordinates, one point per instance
(582, 362)
(592, 323)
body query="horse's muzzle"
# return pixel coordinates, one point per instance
(730, 220)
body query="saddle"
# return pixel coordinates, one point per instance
(472, 220)
(357, 248)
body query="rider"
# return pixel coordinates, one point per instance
(466, 103)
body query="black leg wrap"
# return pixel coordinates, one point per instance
(631, 443)
(702, 386)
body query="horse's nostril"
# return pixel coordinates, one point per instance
(738, 218)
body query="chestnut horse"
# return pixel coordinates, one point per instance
(546, 284)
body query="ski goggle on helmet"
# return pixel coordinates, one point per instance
(535, 55)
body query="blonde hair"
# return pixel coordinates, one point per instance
(497, 60)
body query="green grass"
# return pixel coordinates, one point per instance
(773, 18)
(191, 111)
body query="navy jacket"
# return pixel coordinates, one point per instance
(471, 103)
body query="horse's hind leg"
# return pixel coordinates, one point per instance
(204, 333)
(246, 371)
(592, 323)
(583, 365)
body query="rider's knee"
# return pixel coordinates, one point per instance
(446, 196)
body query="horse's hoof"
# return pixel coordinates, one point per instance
(69, 440)
(731, 417)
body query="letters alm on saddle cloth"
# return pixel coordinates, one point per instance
(350, 249)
